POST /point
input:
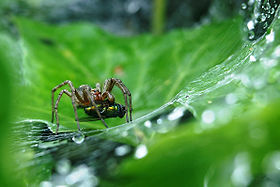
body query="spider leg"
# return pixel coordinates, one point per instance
(108, 86)
(87, 96)
(56, 106)
(99, 115)
(108, 95)
(79, 97)
(72, 98)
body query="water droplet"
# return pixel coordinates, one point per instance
(141, 151)
(276, 160)
(231, 98)
(159, 121)
(208, 116)
(63, 166)
(272, 164)
(272, 11)
(78, 138)
(253, 58)
(251, 35)
(148, 124)
(250, 25)
(224, 115)
(241, 175)
(82, 175)
(263, 17)
(46, 184)
(243, 6)
(133, 7)
(176, 114)
(124, 133)
(267, 6)
(251, 2)
(265, 25)
(122, 150)
(270, 37)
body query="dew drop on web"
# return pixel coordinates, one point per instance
(78, 138)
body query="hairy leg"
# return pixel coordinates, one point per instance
(67, 82)
(108, 95)
(56, 106)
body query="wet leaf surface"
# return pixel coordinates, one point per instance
(150, 66)
(216, 85)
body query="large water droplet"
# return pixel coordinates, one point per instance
(176, 114)
(250, 25)
(133, 7)
(231, 98)
(78, 138)
(276, 160)
(63, 166)
(241, 175)
(208, 116)
(148, 124)
(272, 164)
(122, 150)
(82, 175)
(141, 151)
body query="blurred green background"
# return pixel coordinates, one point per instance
(204, 78)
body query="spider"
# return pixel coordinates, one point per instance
(97, 103)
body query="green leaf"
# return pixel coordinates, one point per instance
(216, 157)
(234, 140)
(208, 70)
(8, 60)
(154, 68)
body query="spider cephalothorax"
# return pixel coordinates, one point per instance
(97, 103)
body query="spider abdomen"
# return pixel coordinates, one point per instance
(114, 110)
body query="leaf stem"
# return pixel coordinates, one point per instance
(158, 21)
